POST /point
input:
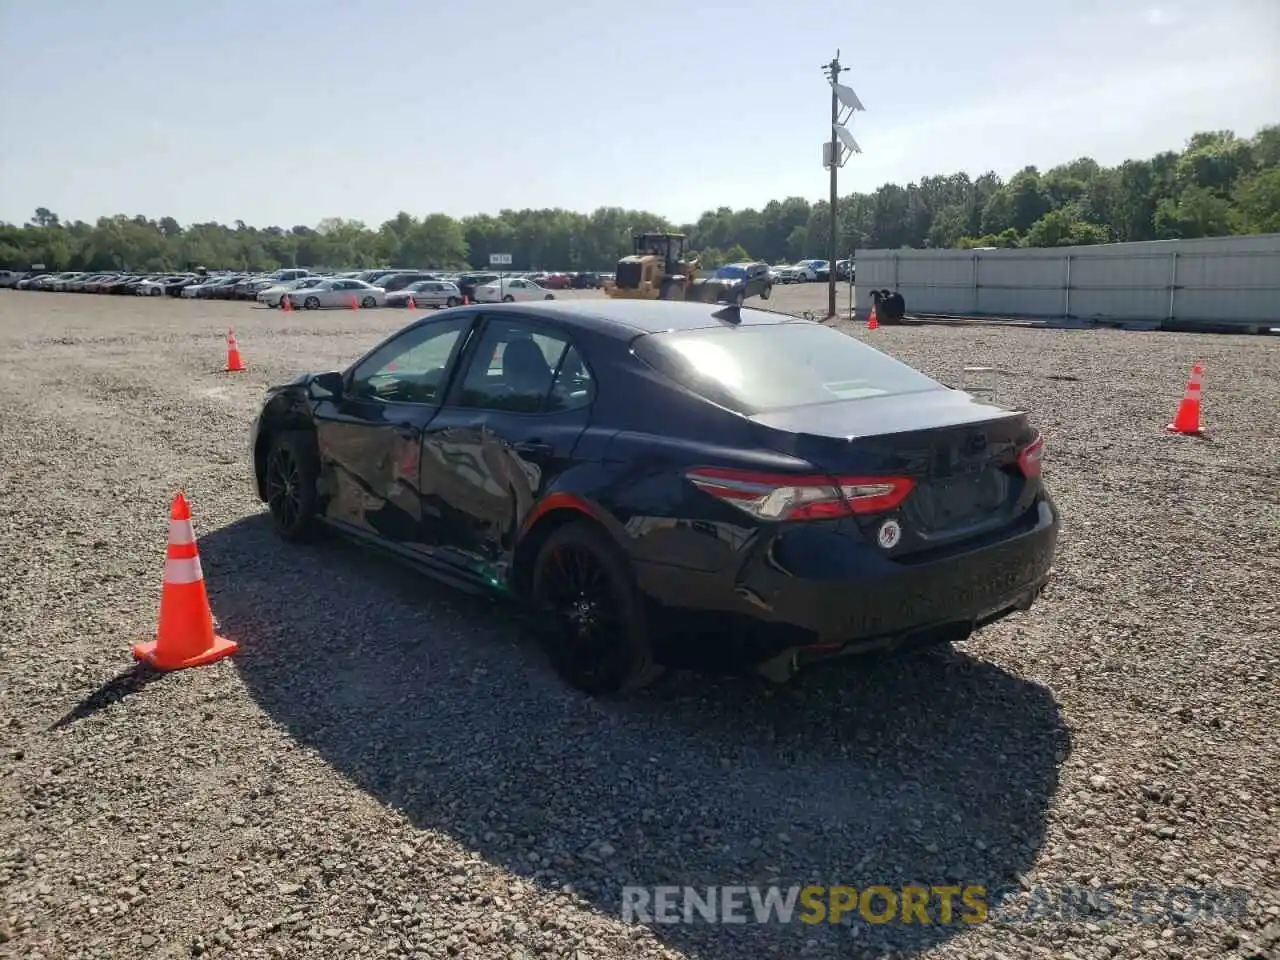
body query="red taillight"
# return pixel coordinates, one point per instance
(782, 496)
(1029, 458)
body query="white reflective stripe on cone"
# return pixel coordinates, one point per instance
(180, 533)
(1193, 394)
(183, 571)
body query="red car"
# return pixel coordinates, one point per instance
(554, 281)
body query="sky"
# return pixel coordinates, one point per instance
(286, 112)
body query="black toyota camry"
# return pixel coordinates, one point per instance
(670, 484)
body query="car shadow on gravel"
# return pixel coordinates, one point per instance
(931, 769)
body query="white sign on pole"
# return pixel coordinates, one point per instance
(499, 259)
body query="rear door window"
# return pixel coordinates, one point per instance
(758, 368)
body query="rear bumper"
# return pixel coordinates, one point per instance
(831, 594)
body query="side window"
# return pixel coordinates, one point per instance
(522, 370)
(573, 386)
(412, 367)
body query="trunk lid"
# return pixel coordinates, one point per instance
(960, 453)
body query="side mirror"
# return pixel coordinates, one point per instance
(325, 386)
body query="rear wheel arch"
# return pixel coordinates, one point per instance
(565, 512)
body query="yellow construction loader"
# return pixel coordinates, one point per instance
(657, 269)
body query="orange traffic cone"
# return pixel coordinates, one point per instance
(465, 299)
(286, 304)
(412, 305)
(354, 304)
(234, 363)
(873, 322)
(1187, 419)
(185, 637)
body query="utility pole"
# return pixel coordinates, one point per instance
(836, 152)
(833, 71)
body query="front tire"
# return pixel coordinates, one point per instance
(596, 632)
(292, 469)
(508, 299)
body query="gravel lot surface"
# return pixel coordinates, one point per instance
(388, 768)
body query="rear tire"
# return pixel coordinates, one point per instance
(766, 293)
(508, 299)
(452, 302)
(292, 468)
(596, 630)
(311, 303)
(369, 303)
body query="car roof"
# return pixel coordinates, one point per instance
(626, 319)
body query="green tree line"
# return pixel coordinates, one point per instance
(1220, 184)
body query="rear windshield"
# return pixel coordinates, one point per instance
(757, 369)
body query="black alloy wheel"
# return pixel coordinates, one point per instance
(291, 488)
(595, 633)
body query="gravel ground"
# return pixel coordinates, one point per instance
(387, 768)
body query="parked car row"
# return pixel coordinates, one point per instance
(311, 291)
(154, 285)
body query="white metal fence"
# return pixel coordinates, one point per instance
(1225, 281)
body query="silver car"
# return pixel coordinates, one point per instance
(427, 293)
(338, 293)
(271, 295)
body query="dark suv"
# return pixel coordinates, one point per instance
(734, 283)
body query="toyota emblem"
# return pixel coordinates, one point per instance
(889, 534)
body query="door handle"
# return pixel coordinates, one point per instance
(533, 448)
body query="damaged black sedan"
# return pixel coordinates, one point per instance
(670, 484)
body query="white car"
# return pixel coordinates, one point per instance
(807, 270)
(272, 294)
(154, 286)
(338, 293)
(193, 290)
(435, 293)
(60, 282)
(783, 273)
(508, 291)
